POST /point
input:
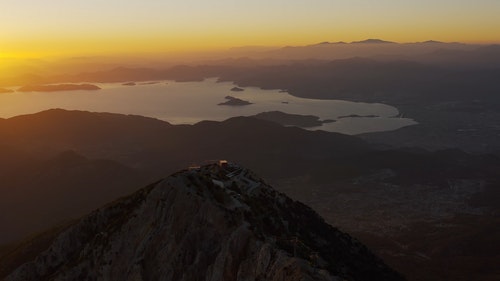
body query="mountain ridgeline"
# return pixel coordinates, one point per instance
(59, 165)
(214, 222)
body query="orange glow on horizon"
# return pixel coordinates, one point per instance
(77, 28)
(186, 45)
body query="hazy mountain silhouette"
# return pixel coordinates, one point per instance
(427, 52)
(432, 42)
(372, 41)
(370, 48)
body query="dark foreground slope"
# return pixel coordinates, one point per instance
(405, 204)
(209, 223)
(42, 183)
(38, 193)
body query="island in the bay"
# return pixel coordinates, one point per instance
(234, 101)
(58, 87)
(237, 89)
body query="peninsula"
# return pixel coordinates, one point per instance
(287, 119)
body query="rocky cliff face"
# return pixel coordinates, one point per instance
(215, 222)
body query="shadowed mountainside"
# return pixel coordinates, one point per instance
(144, 143)
(209, 223)
(381, 195)
(37, 193)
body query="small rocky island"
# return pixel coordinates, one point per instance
(129, 84)
(237, 89)
(287, 119)
(58, 87)
(234, 101)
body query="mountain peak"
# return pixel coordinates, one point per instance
(432, 42)
(213, 222)
(330, 43)
(372, 41)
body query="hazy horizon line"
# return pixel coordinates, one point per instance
(209, 50)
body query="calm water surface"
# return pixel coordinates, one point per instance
(191, 102)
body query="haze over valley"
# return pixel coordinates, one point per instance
(407, 170)
(249, 140)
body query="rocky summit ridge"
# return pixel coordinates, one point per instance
(213, 222)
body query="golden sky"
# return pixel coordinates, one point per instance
(35, 28)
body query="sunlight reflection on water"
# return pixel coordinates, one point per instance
(191, 102)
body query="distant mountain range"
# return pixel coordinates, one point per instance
(431, 52)
(380, 41)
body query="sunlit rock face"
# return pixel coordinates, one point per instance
(214, 222)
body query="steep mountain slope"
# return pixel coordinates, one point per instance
(379, 195)
(36, 181)
(215, 222)
(35, 194)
